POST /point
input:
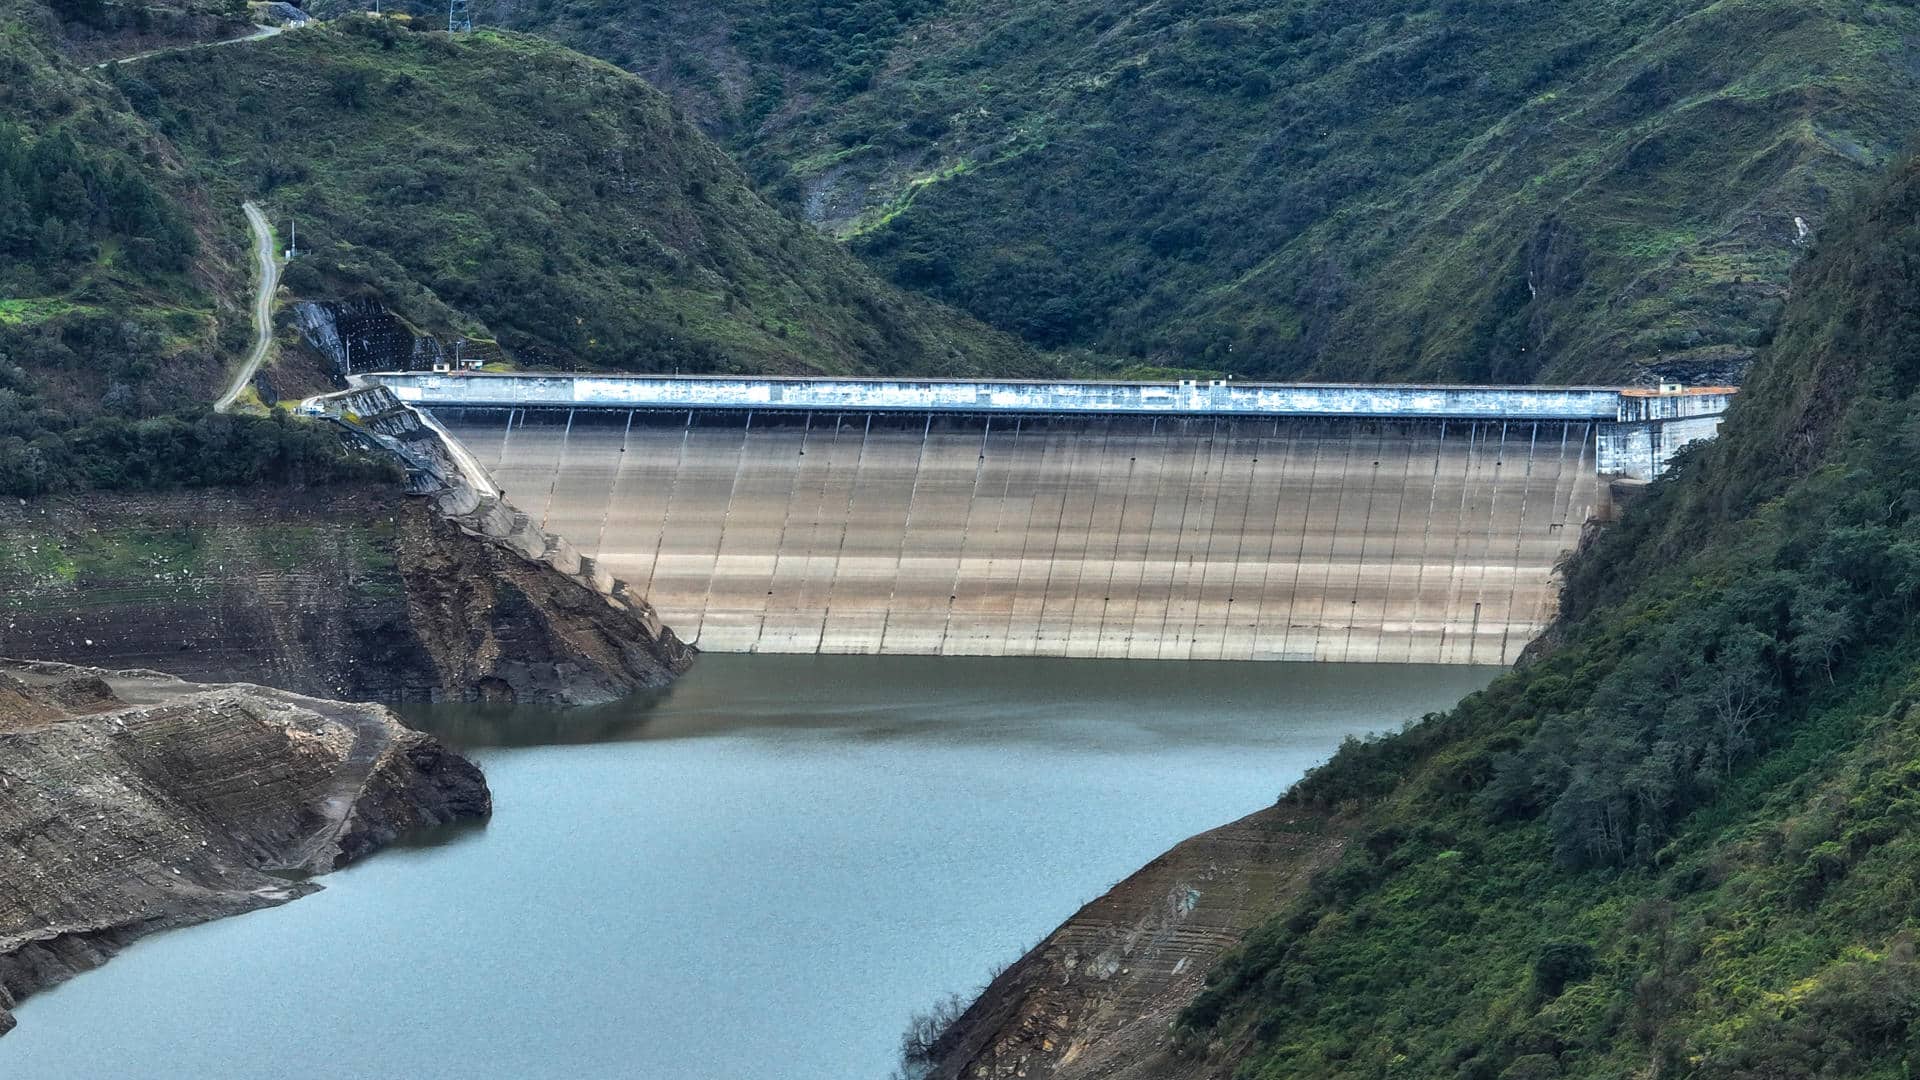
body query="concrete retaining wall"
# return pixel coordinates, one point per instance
(1189, 537)
(1643, 451)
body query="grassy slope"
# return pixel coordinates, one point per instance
(498, 186)
(1683, 843)
(1392, 188)
(97, 227)
(95, 30)
(112, 270)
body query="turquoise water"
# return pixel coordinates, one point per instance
(758, 875)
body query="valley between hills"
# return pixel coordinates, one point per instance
(1533, 735)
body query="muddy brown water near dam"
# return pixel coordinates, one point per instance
(757, 878)
(1191, 538)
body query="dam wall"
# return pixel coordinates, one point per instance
(1315, 534)
(1638, 430)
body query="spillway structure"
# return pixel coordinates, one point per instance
(1192, 521)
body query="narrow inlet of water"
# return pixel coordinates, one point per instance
(757, 875)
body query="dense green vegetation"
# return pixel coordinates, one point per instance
(99, 29)
(1447, 189)
(113, 330)
(504, 188)
(89, 211)
(163, 453)
(493, 186)
(59, 206)
(1682, 842)
(108, 285)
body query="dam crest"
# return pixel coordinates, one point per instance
(1193, 521)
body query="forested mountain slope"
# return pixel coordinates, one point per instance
(1392, 189)
(1685, 841)
(500, 186)
(491, 186)
(117, 294)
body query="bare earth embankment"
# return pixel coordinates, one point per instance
(133, 802)
(1098, 997)
(353, 592)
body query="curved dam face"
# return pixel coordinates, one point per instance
(1177, 537)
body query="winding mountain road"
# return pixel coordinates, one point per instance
(262, 306)
(258, 33)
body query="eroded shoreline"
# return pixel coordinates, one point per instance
(136, 802)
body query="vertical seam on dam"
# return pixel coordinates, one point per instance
(1393, 548)
(1352, 613)
(780, 545)
(1520, 533)
(619, 471)
(966, 533)
(673, 489)
(1239, 550)
(1426, 534)
(1202, 537)
(906, 530)
(853, 492)
(1300, 555)
(1286, 456)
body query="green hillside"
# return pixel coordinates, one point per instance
(1682, 842)
(492, 186)
(1475, 189)
(114, 287)
(503, 188)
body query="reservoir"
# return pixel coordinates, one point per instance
(759, 874)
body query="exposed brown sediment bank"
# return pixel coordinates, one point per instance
(133, 802)
(353, 592)
(1097, 998)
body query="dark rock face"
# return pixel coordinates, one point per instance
(174, 803)
(341, 592)
(360, 334)
(504, 627)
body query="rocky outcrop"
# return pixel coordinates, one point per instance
(351, 592)
(437, 467)
(132, 802)
(360, 334)
(515, 615)
(1098, 997)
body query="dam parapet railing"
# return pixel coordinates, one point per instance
(1638, 430)
(1187, 398)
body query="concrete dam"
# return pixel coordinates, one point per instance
(1193, 521)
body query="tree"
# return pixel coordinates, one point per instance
(1740, 690)
(925, 1029)
(1823, 626)
(1559, 965)
(349, 88)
